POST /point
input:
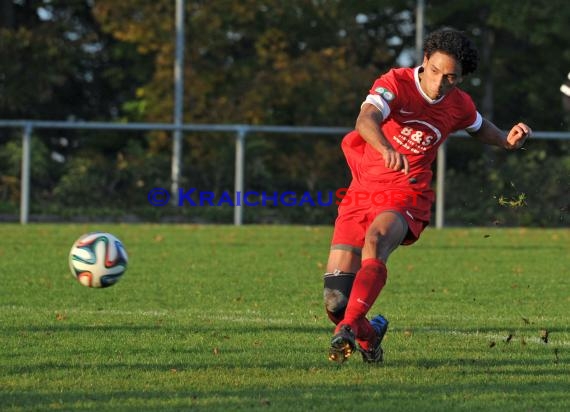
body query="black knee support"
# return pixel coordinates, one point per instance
(336, 292)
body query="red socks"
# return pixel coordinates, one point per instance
(368, 283)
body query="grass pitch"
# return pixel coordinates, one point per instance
(231, 318)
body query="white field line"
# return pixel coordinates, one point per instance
(7, 309)
(247, 315)
(242, 317)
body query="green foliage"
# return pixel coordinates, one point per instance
(92, 179)
(43, 170)
(56, 63)
(262, 62)
(527, 44)
(22, 52)
(526, 188)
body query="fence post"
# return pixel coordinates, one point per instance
(440, 187)
(178, 102)
(25, 174)
(239, 176)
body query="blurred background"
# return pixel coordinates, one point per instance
(266, 62)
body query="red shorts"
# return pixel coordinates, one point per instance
(360, 206)
(366, 199)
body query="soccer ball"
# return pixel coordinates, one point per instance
(98, 260)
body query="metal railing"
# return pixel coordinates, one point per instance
(240, 132)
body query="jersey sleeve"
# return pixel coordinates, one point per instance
(471, 119)
(476, 125)
(383, 94)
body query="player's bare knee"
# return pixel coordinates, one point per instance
(382, 243)
(344, 258)
(373, 238)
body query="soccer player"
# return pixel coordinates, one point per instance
(407, 115)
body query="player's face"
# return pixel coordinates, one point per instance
(441, 74)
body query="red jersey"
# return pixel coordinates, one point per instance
(414, 124)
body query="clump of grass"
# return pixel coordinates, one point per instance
(516, 202)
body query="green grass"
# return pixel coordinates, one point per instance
(225, 318)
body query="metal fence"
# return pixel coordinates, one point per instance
(239, 131)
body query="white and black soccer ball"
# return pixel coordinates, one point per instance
(98, 260)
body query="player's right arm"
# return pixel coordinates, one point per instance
(368, 126)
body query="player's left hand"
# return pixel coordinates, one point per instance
(517, 136)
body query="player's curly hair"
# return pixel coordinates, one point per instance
(456, 44)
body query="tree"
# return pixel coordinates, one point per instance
(56, 63)
(529, 55)
(263, 62)
(257, 62)
(526, 52)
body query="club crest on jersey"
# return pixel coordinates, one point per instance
(385, 93)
